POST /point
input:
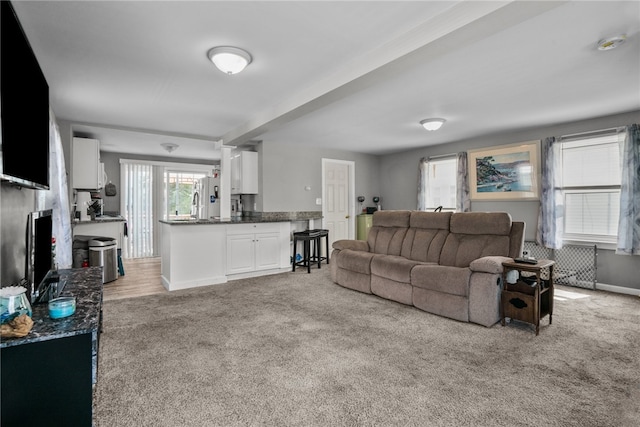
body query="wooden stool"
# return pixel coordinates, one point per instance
(307, 237)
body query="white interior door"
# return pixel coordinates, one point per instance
(337, 208)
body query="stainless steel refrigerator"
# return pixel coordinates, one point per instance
(209, 204)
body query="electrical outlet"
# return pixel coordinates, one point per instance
(318, 201)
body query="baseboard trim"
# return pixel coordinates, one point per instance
(617, 289)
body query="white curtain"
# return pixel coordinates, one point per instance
(423, 183)
(137, 205)
(57, 198)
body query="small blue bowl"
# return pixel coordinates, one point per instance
(62, 307)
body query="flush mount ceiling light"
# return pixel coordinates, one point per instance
(170, 147)
(611, 42)
(432, 124)
(228, 59)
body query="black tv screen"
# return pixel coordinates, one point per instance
(24, 107)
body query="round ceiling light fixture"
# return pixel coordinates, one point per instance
(611, 42)
(432, 124)
(229, 59)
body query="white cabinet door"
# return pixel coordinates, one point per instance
(244, 172)
(267, 251)
(249, 179)
(87, 172)
(240, 253)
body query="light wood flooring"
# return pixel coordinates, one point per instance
(141, 277)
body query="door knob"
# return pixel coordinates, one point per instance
(348, 216)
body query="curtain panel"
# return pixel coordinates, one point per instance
(57, 198)
(137, 204)
(551, 214)
(423, 184)
(463, 196)
(629, 223)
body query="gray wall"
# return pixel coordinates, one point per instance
(399, 185)
(286, 169)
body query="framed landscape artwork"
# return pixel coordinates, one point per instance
(507, 172)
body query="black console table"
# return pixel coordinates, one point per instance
(48, 376)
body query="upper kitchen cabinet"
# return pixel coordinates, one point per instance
(244, 172)
(87, 171)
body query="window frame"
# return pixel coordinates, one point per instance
(434, 161)
(604, 241)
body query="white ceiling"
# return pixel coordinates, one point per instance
(354, 75)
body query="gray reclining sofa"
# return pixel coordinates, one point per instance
(449, 264)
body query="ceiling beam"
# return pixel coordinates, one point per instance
(462, 24)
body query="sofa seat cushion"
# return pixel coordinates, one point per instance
(393, 267)
(357, 261)
(440, 278)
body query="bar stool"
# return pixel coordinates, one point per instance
(307, 237)
(322, 233)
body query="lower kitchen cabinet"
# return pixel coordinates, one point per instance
(257, 247)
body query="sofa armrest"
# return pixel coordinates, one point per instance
(489, 264)
(355, 245)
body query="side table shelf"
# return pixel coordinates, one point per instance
(530, 298)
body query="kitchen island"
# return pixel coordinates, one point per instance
(208, 252)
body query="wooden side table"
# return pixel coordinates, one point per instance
(525, 301)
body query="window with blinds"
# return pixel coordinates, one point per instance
(591, 187)
(440, 188)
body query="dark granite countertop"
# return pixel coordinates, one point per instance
(83, 283)
(101, 219)
(253, 218)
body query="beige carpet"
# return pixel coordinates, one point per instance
(297, 350)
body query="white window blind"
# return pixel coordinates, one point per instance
(440, 187)
(138, 209)
(591, 187)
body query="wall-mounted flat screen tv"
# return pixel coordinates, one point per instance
(24, 107)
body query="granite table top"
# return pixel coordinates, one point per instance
(83, 283)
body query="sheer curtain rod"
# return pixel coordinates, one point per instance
(593, 133)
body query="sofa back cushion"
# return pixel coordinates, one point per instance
(475, 235)
(387, 232)
(426, 236)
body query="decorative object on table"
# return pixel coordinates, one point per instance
(13, 303)
(62, 307)
(110, 189)
(376, 200)
(17, 328)
(508, 172)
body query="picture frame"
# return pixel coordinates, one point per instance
(507, 172)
